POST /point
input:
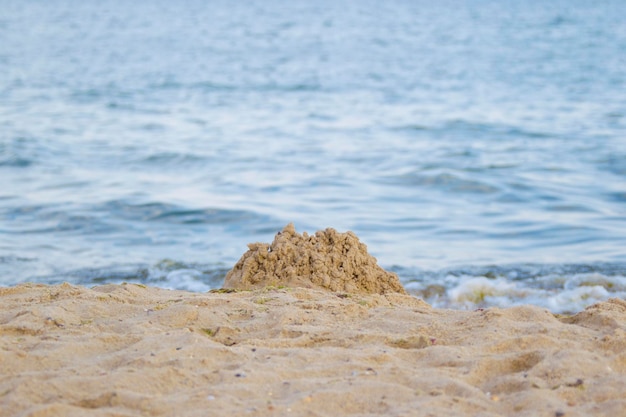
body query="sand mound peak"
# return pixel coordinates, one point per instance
(326, 260)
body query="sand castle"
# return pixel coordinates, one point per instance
(326, 260)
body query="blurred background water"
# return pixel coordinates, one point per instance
(477, 147)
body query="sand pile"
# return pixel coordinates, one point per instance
(327, 260)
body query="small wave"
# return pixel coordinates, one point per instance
(518, 271)
(45, 219)
(615, 164)
(445, 182)
(13, 160)
(19, 152)
(114, 216)
(462, 126)
(171, 213)
(619, 197)
(411, 128)
(481, 292)
(559, 288)
(191, 277)
(260, 87)
(173, 159)
(11, 259)
(244, 87)
(461, 129)
(166, 273)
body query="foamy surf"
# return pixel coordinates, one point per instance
(559, 293)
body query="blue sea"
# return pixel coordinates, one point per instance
(478, 148)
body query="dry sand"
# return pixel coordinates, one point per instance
(130, 350)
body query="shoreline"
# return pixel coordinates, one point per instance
(129, 349)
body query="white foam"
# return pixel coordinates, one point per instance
(576, 299)
(479, 291)
(187, 279)
(558, 293)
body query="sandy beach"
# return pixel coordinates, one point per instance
(130, 350)
(150, 150)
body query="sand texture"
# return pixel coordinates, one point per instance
(130, 350)
(325, 260)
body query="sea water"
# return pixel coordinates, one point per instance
(477, 147)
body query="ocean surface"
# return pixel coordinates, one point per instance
(477, 147)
